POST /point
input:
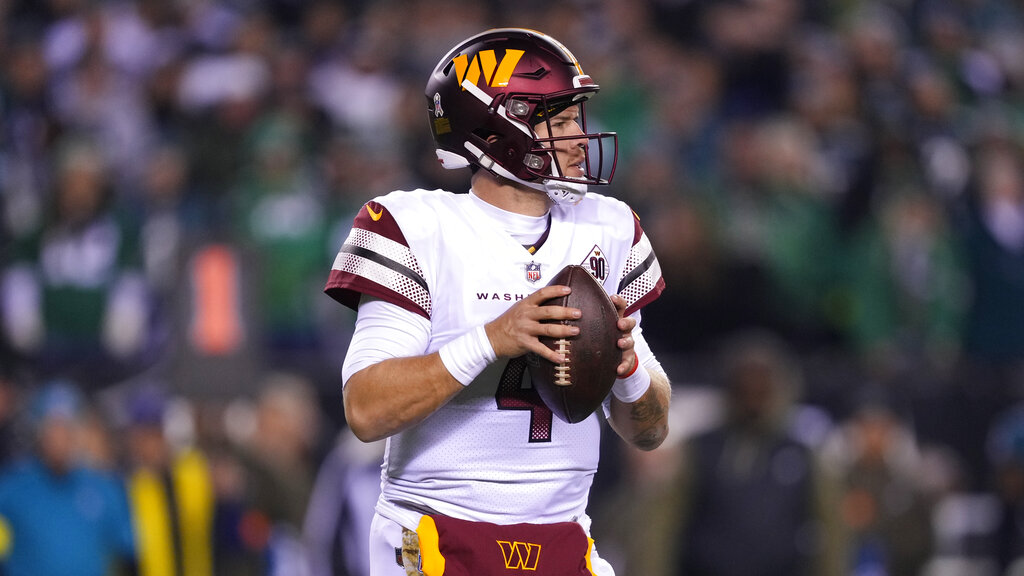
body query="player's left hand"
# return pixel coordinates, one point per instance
(626, 326)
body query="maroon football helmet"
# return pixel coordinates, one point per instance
(486, 96)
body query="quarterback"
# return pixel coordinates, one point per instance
(478, 477)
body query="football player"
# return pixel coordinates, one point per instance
(478, 477)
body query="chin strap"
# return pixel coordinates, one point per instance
(559, 191)
(565, 193)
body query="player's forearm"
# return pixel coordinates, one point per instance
(392, 395)
(644, 423)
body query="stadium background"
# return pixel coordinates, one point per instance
(839, 182)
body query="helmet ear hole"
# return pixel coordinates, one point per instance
(487, 139)
(488, 136)
(497, 145)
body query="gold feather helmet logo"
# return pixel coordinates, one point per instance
(485, 65)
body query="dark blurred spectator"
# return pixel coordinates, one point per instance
(907, 291)
(990, 225)
(885, 504)
(283, 446)
(98, 57)
(170, 219)
(221, 93)
(1005, 455)
(61, 517)
(172, 224)
(360, 91)
(74, 298)
(97, 438)
(266, 477)
(10, 396)
(280, 212)
(993, 232)
(751, 483)
(750, 40)
(341, 508)
(29, 129)
(135, 37)
(713, 296)
(876, 38)
(289, 96)
(325, 28)
(781, 218)
(825, 94)
(938, 130)
(170, 492)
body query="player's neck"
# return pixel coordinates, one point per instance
(510, 196)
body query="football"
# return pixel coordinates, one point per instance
(574, 389)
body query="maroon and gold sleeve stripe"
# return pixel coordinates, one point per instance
(376, 260)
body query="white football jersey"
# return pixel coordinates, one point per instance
(494, 452)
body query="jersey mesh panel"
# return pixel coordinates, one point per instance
(644, 283)
(391, 279)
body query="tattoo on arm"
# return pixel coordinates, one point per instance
(649, 415)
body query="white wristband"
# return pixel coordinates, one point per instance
(632, 387)
(466, 356)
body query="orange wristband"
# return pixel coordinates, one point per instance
(630, 387)
(636, 363)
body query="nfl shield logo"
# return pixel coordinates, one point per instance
(533, 271)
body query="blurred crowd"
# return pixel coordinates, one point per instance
(834, 188)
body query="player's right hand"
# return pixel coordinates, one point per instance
(518, 329)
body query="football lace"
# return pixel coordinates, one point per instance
(562, 374)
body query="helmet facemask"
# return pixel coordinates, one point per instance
(541, 168)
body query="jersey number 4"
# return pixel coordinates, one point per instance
(512, 395)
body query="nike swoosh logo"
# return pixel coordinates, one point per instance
(375, 215)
